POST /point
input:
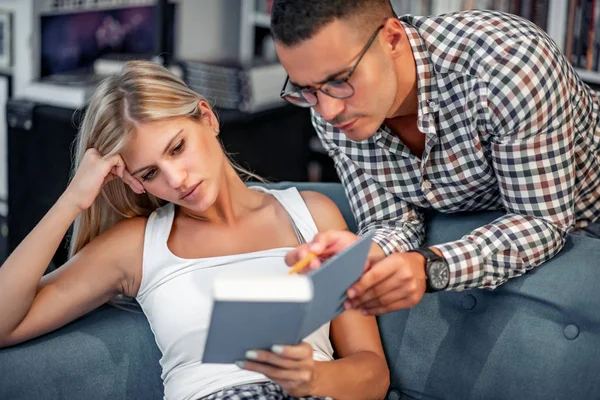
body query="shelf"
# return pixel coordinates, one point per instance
(6, 71)
(588, 76)
(262, 20)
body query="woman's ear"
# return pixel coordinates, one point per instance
(207, 116)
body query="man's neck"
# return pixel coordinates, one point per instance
(405, 128)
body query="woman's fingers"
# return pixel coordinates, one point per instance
(133, 182)
(119, 170)
(286, 357)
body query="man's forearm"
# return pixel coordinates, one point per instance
(376, 253)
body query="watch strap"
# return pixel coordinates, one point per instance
(429, 257)
(427, 253)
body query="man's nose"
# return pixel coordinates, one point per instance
(329, 107)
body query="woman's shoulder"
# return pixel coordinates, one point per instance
(324, 211)
(123, 234)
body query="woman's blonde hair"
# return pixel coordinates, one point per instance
(142, 92)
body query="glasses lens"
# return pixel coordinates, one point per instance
(301, 98)
(340, 89)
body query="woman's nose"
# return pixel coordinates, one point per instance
(175, 176)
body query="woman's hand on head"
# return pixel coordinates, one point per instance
(95, 171)
(292, 367)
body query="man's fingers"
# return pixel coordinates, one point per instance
(324, 245)
(369, 279)
(381, 300)
(376, 292)
(318, 245)
(297, 254)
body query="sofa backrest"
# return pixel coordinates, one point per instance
(535, 337)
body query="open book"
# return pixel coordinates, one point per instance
(258, 311)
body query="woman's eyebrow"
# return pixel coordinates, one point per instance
(137, 171)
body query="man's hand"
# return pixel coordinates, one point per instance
(323, 245)
(327, 244)
(394, 283)
(388, 284)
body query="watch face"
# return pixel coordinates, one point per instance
(438, 275)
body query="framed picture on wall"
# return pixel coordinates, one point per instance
(5, 39)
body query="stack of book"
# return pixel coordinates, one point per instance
(232, 85)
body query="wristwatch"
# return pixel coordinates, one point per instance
(436, 270)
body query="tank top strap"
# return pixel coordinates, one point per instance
(294, 205)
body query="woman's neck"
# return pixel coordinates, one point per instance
(234, 200)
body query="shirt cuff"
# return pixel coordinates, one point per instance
(466, 265)
(389, 241)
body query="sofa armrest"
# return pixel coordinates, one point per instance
(107, 354)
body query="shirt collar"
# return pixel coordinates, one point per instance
(427, 90)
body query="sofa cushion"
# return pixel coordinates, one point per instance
(107, 354)
(535, 337)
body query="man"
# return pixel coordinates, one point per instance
(476, 110)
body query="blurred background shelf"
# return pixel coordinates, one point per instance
(261, 20)
(278, 143)
(591, 77)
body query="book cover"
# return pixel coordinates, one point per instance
(256, 312)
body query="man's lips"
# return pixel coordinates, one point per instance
(347, 125)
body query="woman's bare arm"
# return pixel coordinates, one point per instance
(31, 305)
(361, 372)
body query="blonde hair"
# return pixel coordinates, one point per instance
(142, 92)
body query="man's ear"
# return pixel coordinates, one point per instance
(393, 35)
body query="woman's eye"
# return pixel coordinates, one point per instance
(149, 175)
(178, 148)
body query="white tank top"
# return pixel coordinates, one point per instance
(175, 295)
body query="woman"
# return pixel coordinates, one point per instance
(157, 208)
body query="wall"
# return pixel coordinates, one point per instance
(208, 29)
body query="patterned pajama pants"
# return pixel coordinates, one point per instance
(256, 391)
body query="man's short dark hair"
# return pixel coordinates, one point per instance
(293, 21)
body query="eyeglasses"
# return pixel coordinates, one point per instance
(337, 88)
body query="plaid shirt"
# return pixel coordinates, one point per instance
(508, 126)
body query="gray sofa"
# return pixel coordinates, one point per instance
(536, 337)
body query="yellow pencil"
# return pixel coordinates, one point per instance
(300, 265)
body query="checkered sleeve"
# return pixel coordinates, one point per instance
(533, 156)
(397, 225)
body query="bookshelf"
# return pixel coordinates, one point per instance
(552, 15)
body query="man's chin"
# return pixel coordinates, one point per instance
(359, 134)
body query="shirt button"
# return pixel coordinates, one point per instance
(426, 185)
(432, 104)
